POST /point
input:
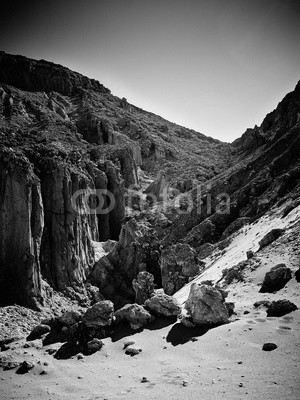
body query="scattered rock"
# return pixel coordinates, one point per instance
(249, 254)
(276, 278)
(9, 364)
(69, 318)
(163, 305)
(132, 351)
(43, 372)
(100, 314)
(269, 347)
(205, 305)
(93, 346)
(38, 331)
(280, 307)
(25, 367)
(144, 379)
(135, 314)
(261, 303)
(297, 275)
(270, 237)
(80, 357)
(128, 343)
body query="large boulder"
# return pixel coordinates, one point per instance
(163, 305)
(276, 278)
(138, 249)
(206, 305)
(38, 331)
(100, 314)
(135, 314)
(69, 318)
(143, 286)
(280, 307)
(178, 263)
(270, 237)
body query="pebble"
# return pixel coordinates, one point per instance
(269, 346)
(144, 379)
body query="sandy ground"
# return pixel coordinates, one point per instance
(225, 362)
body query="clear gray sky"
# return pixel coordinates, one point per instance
(217, 66)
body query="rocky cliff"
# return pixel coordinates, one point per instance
(266, 172)
(69, 149)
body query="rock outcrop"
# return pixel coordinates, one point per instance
(138, 250)
(178, 263)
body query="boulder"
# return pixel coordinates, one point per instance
(69, 318)
(276, 278)
(280, 307)
(100, 314)
(270, 237)
(138, 248)
(163, 305)
(297, 275)
(93, 345)
(38, 331)
(178, 263)
(143, 286)
(135, 314)
(206, 305)
(25, 367)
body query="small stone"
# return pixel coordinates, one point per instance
(128, 343)
(246, 312)
(184, 383)
(132, 351)
(194, 339)
(94, 345)
(25, 367)
(43, 372)
(240, 362)
(79, 357)
(144, 379)
(269, 346)
(241, 384)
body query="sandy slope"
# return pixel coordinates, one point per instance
(226, 362)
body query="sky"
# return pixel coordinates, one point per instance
(216, 66)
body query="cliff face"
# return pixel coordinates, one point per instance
(43, 76)
(69, 148)
(266, 171)
(22, 223)
(45, 230)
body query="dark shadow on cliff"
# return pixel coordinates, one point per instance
(122, 330)
(180, 334)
